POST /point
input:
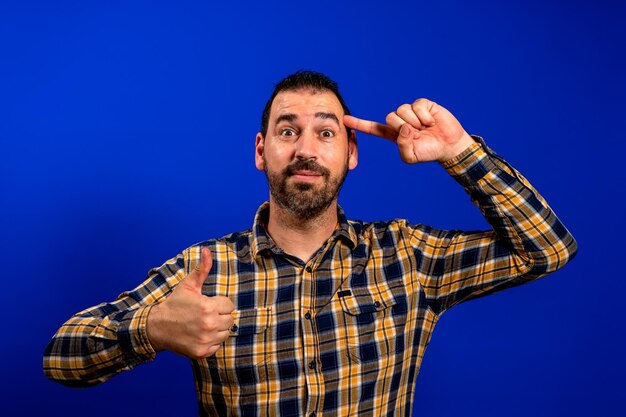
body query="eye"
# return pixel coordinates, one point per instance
(287, 132)
(327, 134)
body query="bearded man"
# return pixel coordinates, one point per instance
(309, 313)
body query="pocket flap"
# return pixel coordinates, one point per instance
(251, 321)
(365, 300)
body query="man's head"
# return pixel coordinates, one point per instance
(301, 80)
(304, 148)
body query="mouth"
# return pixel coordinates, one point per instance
(306, 171)
(305, 175)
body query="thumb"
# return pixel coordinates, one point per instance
(406, 135)
(196, 278)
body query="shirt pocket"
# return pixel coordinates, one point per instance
(250, 322)
(360, 300)
(242, 358)
(374, 319)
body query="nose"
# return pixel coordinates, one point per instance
(306, 146)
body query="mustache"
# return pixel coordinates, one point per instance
(306, 165)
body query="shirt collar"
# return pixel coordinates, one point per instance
(261, 240)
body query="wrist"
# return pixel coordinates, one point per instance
(153, 327)
(458, 148)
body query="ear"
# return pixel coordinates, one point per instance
(353, 151)
(259, 148)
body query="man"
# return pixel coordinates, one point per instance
(308, 313)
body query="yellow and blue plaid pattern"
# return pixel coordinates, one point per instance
(343, 334)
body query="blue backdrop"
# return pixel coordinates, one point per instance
(127, 134)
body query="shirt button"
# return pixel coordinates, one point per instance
(312, 364)
(377, 304)
(307, 316)
(309, 269)
(234, 328)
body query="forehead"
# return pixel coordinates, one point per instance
(305, 102)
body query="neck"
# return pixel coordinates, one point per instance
(297, 237)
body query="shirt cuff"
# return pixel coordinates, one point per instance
(133, 337)
(472, 164)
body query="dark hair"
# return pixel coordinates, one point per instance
(316, 81)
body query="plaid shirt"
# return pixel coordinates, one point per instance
(344, 333)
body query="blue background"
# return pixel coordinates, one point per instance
(127, 134)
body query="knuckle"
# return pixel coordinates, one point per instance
(403, 108)
(212, 350)
(207, 324)
(404, 143)
(225, 301)
(419, 103)
(206, 340)
(210, 305)
(197, 352)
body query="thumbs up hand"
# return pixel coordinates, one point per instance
(188, 322)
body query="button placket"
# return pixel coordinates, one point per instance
(307, 303)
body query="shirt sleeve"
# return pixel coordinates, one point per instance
(527, 240)
(102, 341)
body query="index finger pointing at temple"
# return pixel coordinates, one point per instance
(371, 128)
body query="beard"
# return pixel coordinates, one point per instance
(305, 200)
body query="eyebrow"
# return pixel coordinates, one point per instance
(323, 115)
(290, 117)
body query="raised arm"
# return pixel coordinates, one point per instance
(527, 240)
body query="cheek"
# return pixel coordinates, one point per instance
(278, 155)
(338, 157)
